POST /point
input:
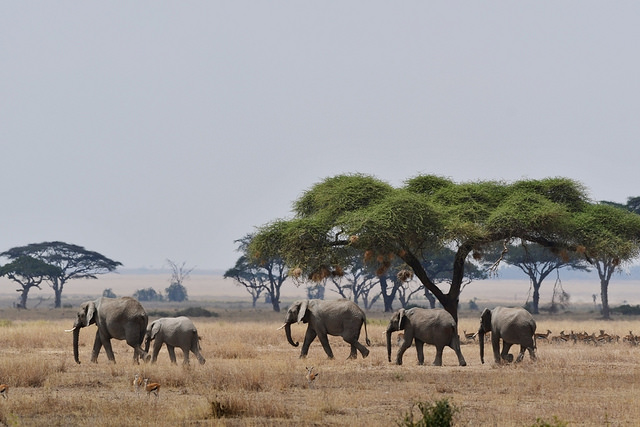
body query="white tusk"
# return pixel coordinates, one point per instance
(283, 325)
(70, 330)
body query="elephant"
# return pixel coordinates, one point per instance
(430, 326)
(118, 318)
(338, 318)
(174, 332)
(513, 326)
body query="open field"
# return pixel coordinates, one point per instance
(254, 377)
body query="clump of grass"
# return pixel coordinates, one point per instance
(555, 423)
(438, 414)
(232, 406)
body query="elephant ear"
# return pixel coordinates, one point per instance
(91, 311)
(485, 320)
(303, 310)
(155, 328)
(401, 317)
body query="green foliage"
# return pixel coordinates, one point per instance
(555, 423)
(176, 293)
(196, 312)
(438, 414)
(148, 294)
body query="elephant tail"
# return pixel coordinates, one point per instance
(366, 335)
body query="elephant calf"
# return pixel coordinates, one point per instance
(435, 327)
(513, 326)
(174, 332)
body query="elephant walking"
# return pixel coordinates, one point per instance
(338, 318)
(174, 332)
(513, 326)
(433, 326)
(117, 318)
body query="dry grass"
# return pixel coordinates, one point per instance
(254, 377)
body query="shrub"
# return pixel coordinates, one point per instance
(438, 414)
(556, 423)
(196, 312)
(627, 309)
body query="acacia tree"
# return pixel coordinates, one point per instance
(249, 276)
(74, 262)
(611, 238)
(428, 212)
(29, 273)
(268, 272)
(538, 262)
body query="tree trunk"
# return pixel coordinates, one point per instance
(604, 296)
(387, 298)
(536, 297)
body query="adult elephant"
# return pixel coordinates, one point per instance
(434, 326)
(513, 326)
(338, 318)
(174, 332)
(117, 318)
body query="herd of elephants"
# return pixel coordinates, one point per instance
(125, 319)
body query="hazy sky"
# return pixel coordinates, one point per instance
(150, 130)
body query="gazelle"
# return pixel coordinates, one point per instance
(137, 383)
(4, 390)
(151, 387)
(311, 376)
(540, 335)
(470, 335)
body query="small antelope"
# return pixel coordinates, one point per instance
(540, 335)
(470, 335)
(311, 376)
(400, 339)
(137, 383)
(4, 390)
(151, 387)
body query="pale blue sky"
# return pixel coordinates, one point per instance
(151, 130)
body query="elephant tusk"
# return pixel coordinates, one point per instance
(70, 330)
(283, 325)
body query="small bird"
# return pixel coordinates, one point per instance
(4, 390)
(137, 383)
(151, 387)
(311, 376)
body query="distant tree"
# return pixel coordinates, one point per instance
(74, 262)
(632, 205)
(148, 294)
(537, 262)
(108, 293)
(267, 272)
(356, 280)
(176, 293)
(611, 239)
(29, 273)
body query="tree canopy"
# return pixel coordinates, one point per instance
(29, 273)
(427, 213)
(73, 262)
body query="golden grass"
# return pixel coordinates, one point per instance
(254, 377)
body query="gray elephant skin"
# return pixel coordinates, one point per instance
(512, 326)
(117, 318)
(434, 326)
(337, 318)
(174, 332)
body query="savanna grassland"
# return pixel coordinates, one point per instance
(254, 377)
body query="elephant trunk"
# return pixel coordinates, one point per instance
(389, 331)
(481, 339)
(287, 330)
(147, 343)
(76, 337)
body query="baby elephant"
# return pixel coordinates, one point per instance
(174, 332)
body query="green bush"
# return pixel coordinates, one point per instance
(627, 309)
(556, 423)
(438, 414)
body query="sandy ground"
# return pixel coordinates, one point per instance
(214, 286)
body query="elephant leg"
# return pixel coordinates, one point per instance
(309, 336)
(406, 343)
(495, 344)
(532, 353)
(521, 354)
(157, 345)
(438, 360)
(195, 350)
(97, 345)
(185, 360)
(420, 351)
(455, 345)
(355, 347)
(324, 340)
(505, 352)
(172, 354)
